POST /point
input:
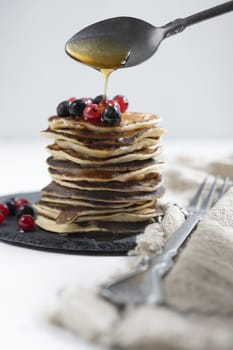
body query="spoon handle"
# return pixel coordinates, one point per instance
(180, 24)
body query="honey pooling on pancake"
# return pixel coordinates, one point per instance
(105, 176)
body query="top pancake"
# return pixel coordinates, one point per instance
(130, 121)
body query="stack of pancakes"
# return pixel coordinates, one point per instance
(105, 178)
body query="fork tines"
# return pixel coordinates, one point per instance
(215, 193)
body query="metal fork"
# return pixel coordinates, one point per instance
(144, 286)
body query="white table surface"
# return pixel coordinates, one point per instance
(30, 278)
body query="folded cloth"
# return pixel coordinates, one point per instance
(199, 305)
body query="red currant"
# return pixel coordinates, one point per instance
(26, 223)
(123, 102)
(114, 103)
(4, 209)
(21, 201)
(71, 99)
(92, 112)
(2, 217)
(88, 100)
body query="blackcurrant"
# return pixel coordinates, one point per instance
(111, 115)
(63, 109)
(11, 206)
(98, 99)
(76, 108)
(25, 210)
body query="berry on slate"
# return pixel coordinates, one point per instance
(21, 201)
(92, 112)
(4, 209)
(11, 206)
(123, 102)
(2, 217)
(98, 99)
(63, 109)
(26, 223)
(111, 115)
(25, 209)
(77, 107)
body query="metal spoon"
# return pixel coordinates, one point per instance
(141, 38)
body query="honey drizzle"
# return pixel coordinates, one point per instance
(106, 74)
(102, 53)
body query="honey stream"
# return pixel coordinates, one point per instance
(101, 53)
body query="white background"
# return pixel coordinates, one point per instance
(189, 81)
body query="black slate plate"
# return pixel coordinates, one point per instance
(90, 244)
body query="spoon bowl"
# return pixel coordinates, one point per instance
(140, 39)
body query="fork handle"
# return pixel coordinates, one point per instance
(181, 234)
(163, 263)
(156, 297)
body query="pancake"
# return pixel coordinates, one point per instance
(68, 154)
(110, 227)
(93, 175)
(148, 173)
(74, 215)
(54, 189)
(107, 152)
(129, 186)
(102, 141)
(91, 203)
(82, 210)
(118, 168)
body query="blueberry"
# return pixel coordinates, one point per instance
(111, 115)
(77, 107)
(63, 109)
(11, 206)
(25, 210)
(98, 99)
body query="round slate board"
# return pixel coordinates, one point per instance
(90, 244)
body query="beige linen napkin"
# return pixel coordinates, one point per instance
(199, 289)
